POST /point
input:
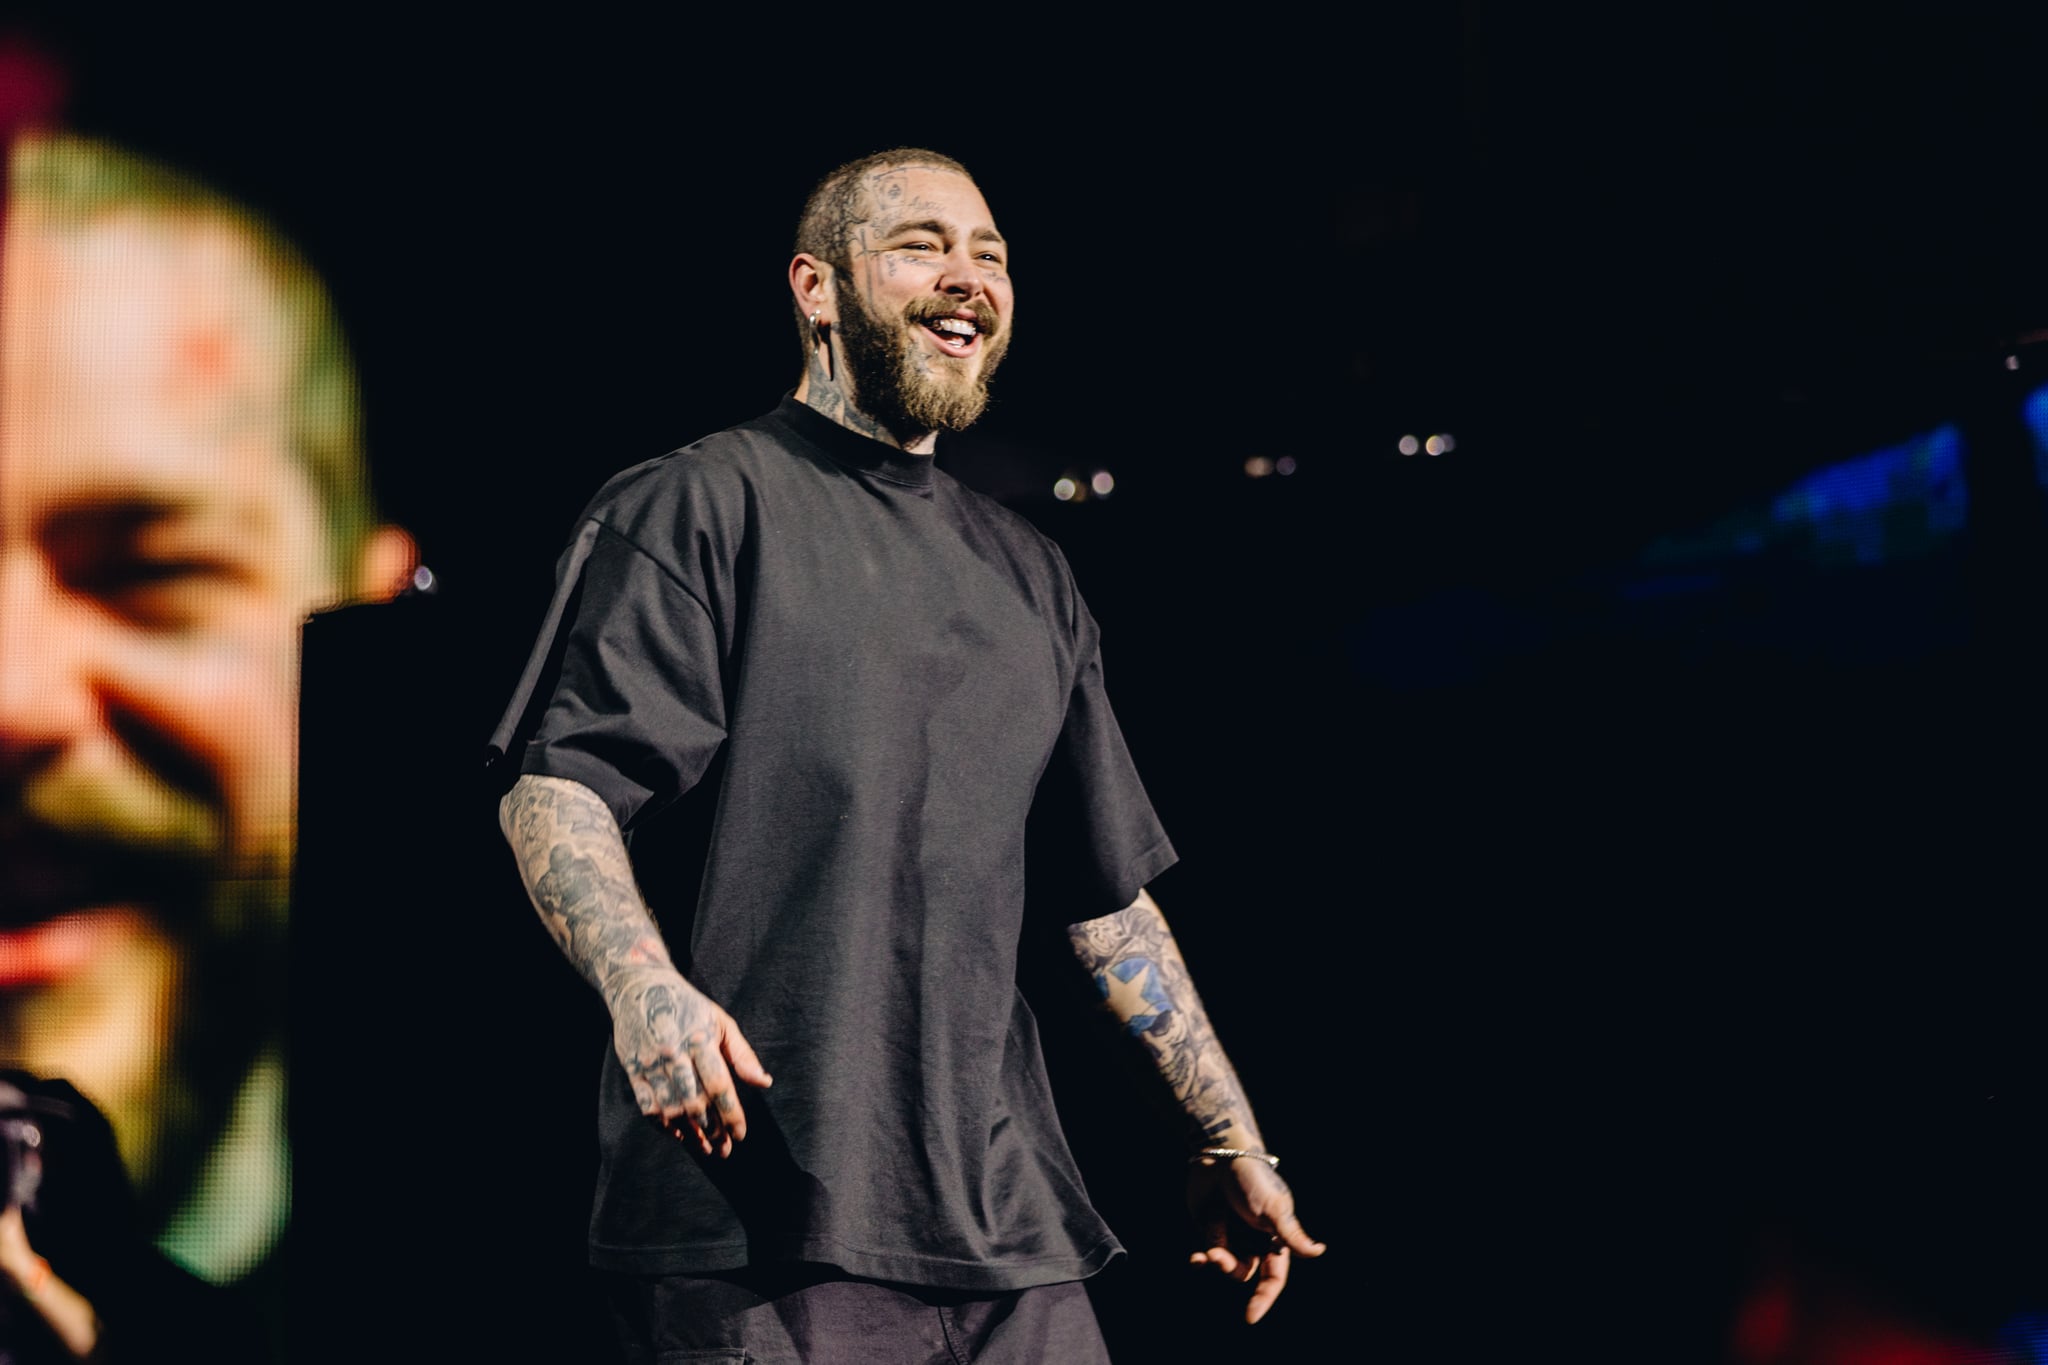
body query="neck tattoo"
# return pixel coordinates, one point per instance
(828, 395)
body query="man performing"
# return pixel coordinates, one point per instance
(875, 673)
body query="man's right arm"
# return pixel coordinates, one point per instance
(679, 1049)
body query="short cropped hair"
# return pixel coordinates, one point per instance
(73, 182)
(835, 204)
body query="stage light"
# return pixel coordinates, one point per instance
(1284, 465)
(1258, 467)
(423, 579)
(1409, 445)
(1449, 444)
(1434, 445)
(1102, 483)
(1064, 489)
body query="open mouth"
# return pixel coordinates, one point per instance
(64, 901)
(957, 335)
(46, 875)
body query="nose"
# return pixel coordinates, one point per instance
(962, 276)
(44, 700)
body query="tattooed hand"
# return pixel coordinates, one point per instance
(680, 1051)
(1244, 1215)
(1243, 1208)
(682, 1054)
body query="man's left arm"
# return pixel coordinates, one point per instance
(1142, 977)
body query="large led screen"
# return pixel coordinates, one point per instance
(182, 481)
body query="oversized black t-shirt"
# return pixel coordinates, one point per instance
(888, 668)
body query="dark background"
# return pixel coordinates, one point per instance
(1584, 943)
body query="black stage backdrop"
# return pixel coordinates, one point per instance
(1606, 908)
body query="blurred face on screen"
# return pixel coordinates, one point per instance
(159, 549)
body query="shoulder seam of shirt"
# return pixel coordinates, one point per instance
(666, 571)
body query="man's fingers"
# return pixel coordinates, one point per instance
(1268, 1288)
(723, 1114)
(671, 1095)
(731, 1117)
(686, 1130)
(689, 1102)
(681, 1116)
(1289, 1230)
(1218, 1256)
(694, 1097)
(745, 1064)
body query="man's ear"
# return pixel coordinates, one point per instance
(810, 280)
(385, 567)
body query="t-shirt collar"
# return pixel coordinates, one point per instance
(854, 451)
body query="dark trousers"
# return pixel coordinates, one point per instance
(813, 1315)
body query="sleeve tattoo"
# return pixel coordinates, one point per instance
(575, 867)
(1143, 980)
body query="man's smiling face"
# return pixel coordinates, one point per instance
(159, 547)
(925, 300)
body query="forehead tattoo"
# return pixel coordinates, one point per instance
(889, 199)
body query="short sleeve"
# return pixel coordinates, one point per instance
(623, 690)
(1095, 840)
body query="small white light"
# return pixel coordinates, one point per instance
(1409, 445)
(1258, 467)
(1434, 445)
(2012, 362)
(1284, 465)
(423, 579)
(1065, 489)
(1102, 483)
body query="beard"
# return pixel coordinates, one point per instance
(901, 384)
(185, 986)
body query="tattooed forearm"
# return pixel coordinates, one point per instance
(575, 867)
(680, 1051)
(1139, 971)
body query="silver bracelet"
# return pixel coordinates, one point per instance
(1233, 1153)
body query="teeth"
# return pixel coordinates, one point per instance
(957, 326)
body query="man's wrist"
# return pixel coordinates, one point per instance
(1236, 1132)
(1215, 1156)
(629, 976)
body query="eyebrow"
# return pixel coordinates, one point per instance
(933, 225)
